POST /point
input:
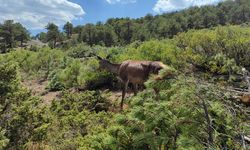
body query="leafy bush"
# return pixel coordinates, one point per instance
(70, 75)
(232, 41)
(28, 124)
(33, 48)
(79, 51)
(74, 119)
(100, 80)
(220, 64)
(54, 82)
(9, 79)
(77, 102)
(176, 120)
(154, 50)
(3, 140)
(39, 63)
(21, 115)
(175, 111)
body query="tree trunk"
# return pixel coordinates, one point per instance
(21, 43)
(54, 44)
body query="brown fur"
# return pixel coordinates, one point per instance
(130, 71)
(245, 99)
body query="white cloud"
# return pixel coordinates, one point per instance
(35, 14)
(121, 1)
(174, 5)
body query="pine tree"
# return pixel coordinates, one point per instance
(68, 29)
(52, 34)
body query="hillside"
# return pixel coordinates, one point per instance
(208, 84)
(123, 31)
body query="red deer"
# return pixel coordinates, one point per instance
(130, 71)
(245, 99)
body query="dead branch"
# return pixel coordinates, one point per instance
(246, 138)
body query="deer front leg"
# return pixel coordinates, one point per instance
(125, 86)
(135, 89)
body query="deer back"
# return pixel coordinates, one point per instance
(138, 71)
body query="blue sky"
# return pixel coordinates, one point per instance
(35, 14)
(101, 10)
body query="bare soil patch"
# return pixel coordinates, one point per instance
(38, 88)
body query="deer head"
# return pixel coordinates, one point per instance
(103, 63)
(154, 67)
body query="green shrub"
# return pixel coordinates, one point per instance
(39, 63)
(78, 116)
(21, 114)
(33, 48)
(176, 120)
(220, 64)
(99, 80)
(154, 50)
(77, 102)
(3, 140)
(28, 124)
(232, 41)
(54, 82)
(9, 78)
(70, 75)
(79, 51)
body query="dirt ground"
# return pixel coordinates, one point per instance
(39, 89)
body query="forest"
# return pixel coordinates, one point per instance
(55, 96)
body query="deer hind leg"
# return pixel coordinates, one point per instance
(124, 90)
(157, 93)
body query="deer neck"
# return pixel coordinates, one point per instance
(113, 68)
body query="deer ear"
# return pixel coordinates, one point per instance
(154, 67)
(109, 56)
(145, 66)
